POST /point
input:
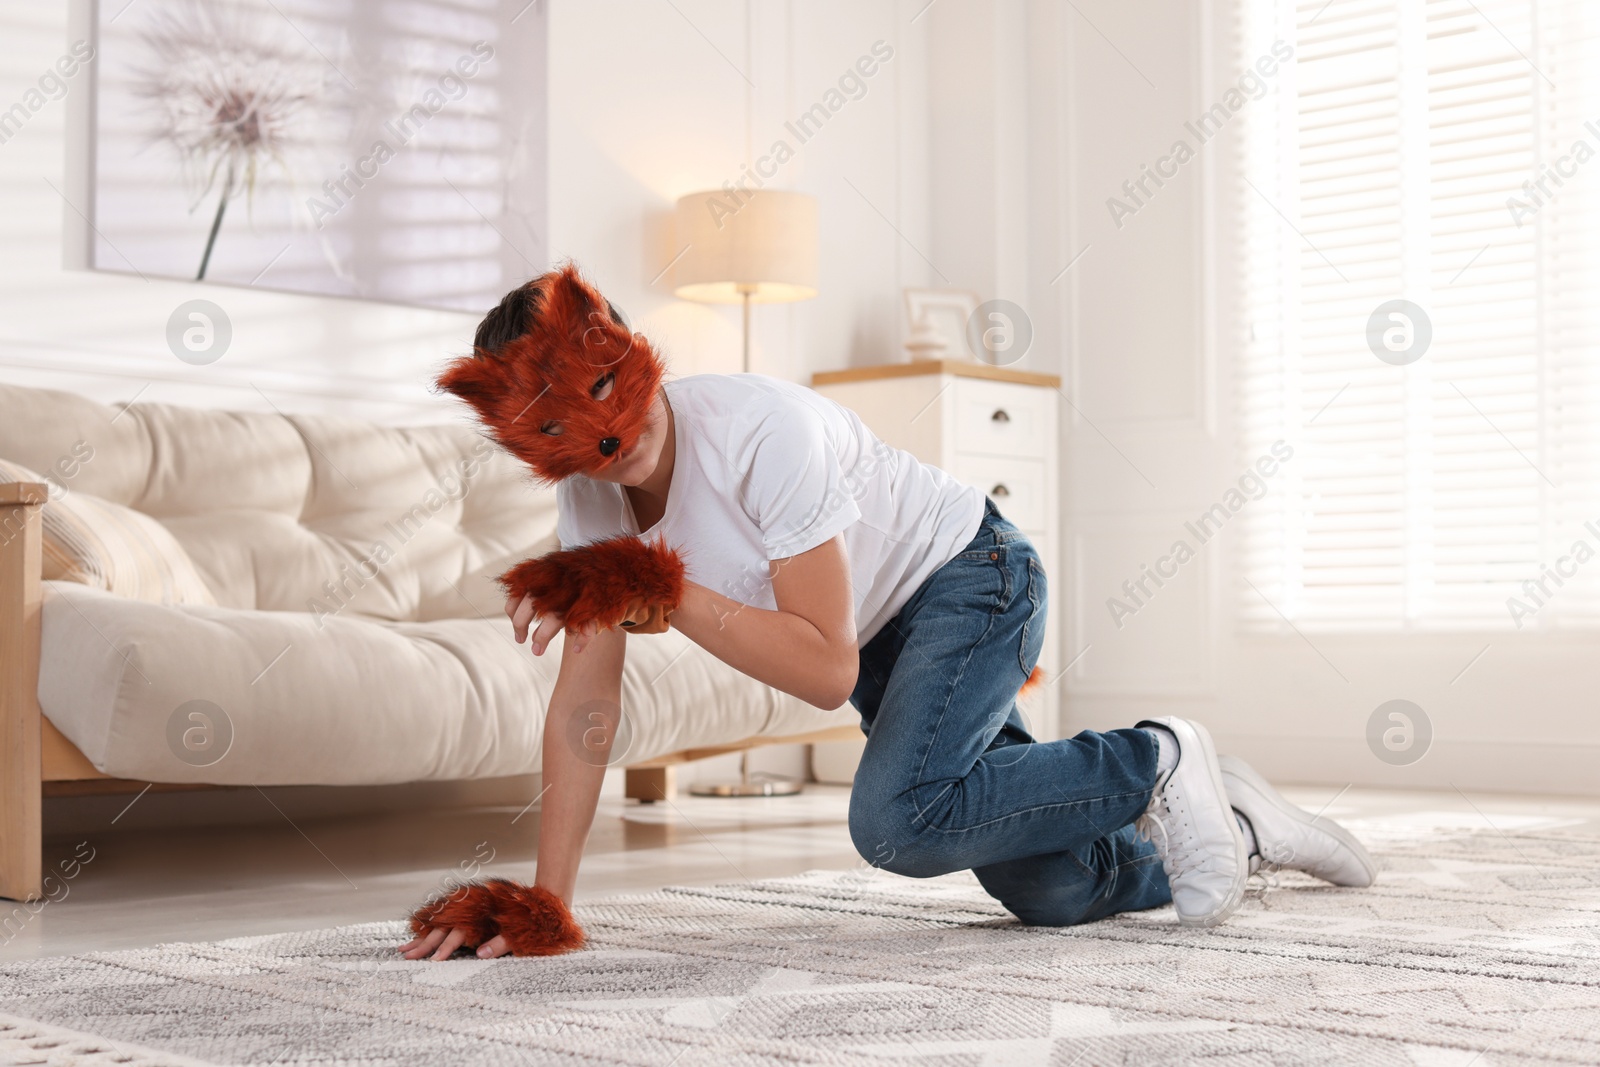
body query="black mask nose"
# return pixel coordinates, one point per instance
(609, 445)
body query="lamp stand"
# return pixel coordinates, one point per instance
(746, 291)
(771, 787)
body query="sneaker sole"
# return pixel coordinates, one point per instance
(1248, 776)
(1236, 896)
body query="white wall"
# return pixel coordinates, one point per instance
(648, 101)
(651, 101)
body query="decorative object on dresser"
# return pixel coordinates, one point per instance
(992, 427)
(746, 248)
(936, 323)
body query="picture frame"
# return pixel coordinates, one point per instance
(936, 323)
(324, 151)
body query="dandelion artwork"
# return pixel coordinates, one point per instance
(351, 151)
(229, 99)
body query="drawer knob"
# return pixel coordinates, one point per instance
(1000, 490)
(1000, 415)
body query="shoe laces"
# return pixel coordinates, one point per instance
(1179, 849)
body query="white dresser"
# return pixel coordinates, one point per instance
(991, 427)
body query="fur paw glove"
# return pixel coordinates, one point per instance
(621, 581)
(532, 919)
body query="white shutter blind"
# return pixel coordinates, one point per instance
(1571, 239)
(1421, 496)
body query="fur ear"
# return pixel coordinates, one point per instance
(474, 379)
(600, 582)
(533, 920)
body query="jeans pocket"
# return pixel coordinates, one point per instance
(983, 572)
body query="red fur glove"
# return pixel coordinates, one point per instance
(615, 582)
(532, 919)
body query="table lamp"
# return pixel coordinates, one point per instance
(746, 247)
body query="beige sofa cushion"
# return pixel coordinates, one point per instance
(95, 542)
(352, 701)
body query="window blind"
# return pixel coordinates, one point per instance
(1408, 154)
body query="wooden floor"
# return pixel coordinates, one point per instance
(145, 886)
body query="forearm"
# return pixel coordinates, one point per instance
(580, 727)
(784, 650)
(571, 793)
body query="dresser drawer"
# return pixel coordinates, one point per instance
(1015, 485)
(1002, 418)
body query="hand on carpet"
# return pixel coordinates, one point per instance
(440, 944)
(496, 916)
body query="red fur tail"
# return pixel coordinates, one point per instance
(1035, 680)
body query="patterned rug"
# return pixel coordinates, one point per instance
(1475, 948)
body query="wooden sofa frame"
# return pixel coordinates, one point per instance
(37, 760)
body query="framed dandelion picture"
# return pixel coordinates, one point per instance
(377, 150)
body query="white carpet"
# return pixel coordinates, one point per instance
(1476, 948)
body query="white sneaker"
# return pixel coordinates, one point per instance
(1287, 836)
(1192, 826)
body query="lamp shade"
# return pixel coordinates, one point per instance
(759, 245)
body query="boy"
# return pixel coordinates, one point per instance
(833, 567)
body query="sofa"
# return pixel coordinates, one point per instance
(324, 613)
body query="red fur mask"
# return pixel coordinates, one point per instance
(576, 370)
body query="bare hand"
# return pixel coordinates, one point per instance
(522, 617)
(442, 943)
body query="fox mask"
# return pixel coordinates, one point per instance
(570, 395)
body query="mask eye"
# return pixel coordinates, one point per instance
(551, 428)
(602, 385)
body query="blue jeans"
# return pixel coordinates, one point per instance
(951, 779)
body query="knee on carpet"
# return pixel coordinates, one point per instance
(888, 838)
(1067, 907)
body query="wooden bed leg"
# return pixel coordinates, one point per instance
(648, 784)
(21, 785)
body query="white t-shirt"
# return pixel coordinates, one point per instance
(766, 469)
